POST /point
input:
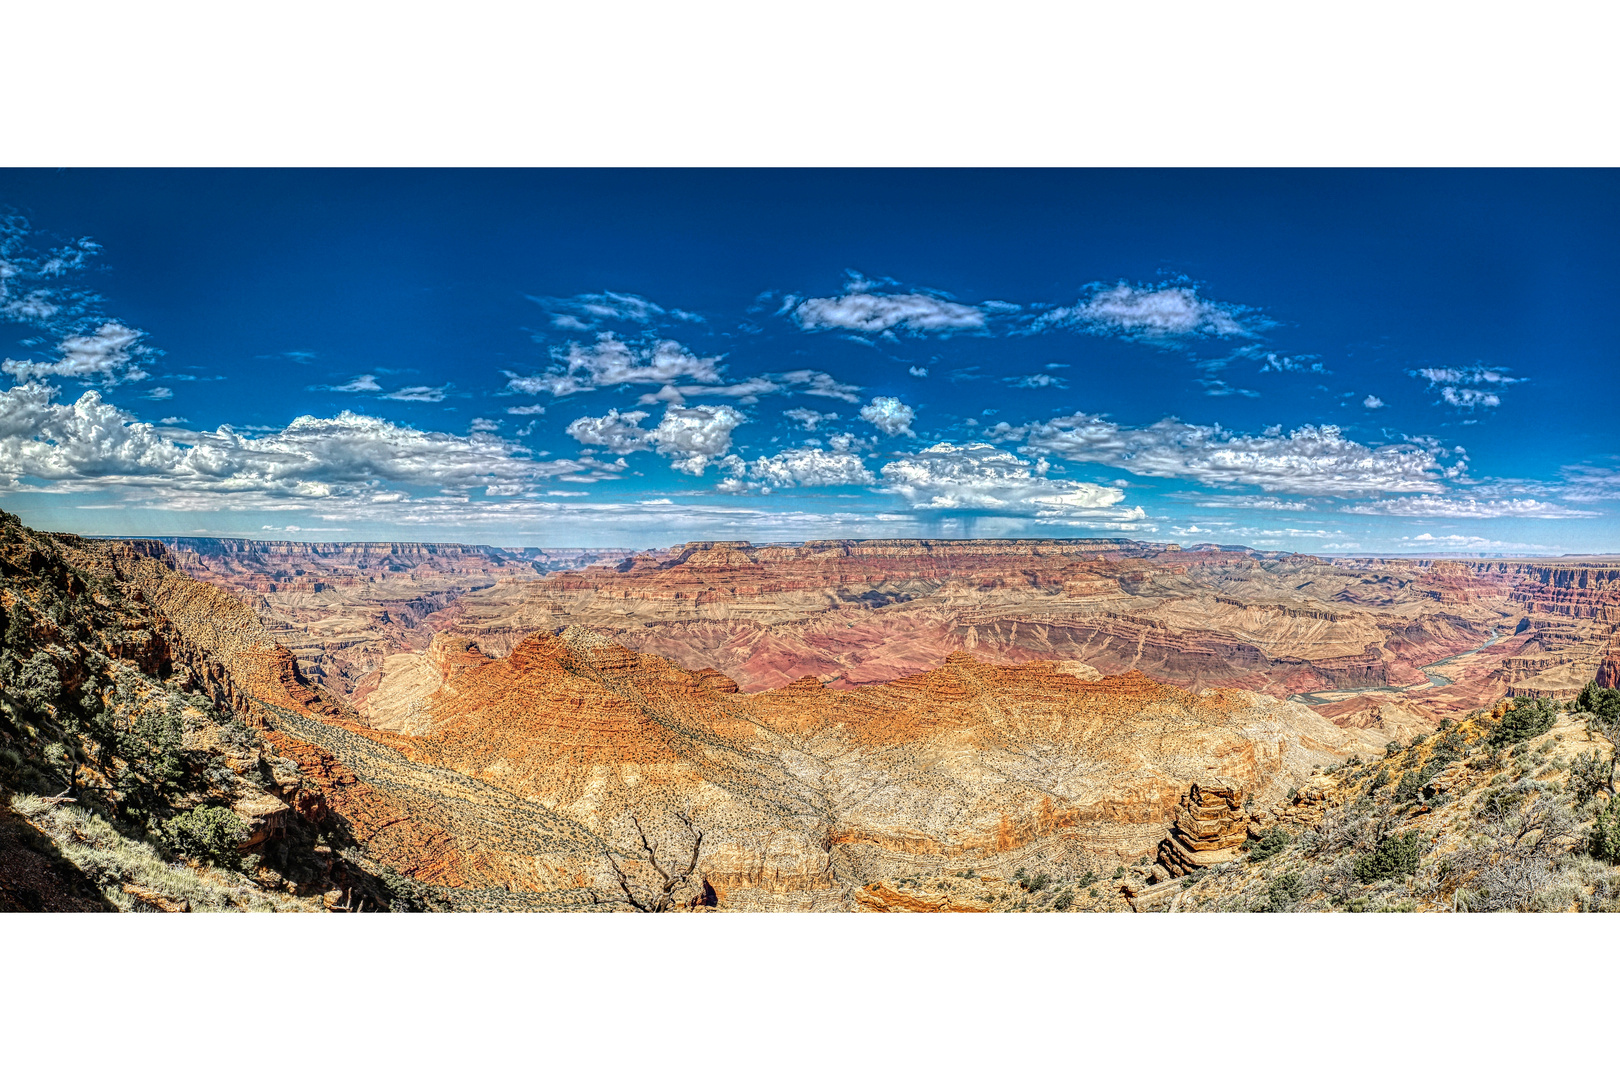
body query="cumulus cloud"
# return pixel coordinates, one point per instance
(91, 443)
(525, 410)
(587, 311)
(1307, 461)
(864, 310)
(612, 361)
(1151, 313)
(978, 476)
(1461, 387)
(1444, 507)
(690, 438)
(804, 466)
(889, 416)
(111, 355)
(919, 372)
(1370, 402)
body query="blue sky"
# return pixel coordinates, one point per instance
(1322, 361)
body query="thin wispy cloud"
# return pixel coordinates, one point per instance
(588, 311)
(1438, 506)
(1039, 381)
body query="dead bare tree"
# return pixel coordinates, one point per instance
(663, 897)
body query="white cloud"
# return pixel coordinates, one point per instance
(919, 372)
(1278, 362)
(418, 393)
(889, 416)
(112, 354)
(525, 410)
(612, 361)
(1444, 507)
(91, 444)
(1589, 483)
(361, 384)
(805, 466)
(1370, 402)
(1468, 398)
(1308, 461)
(978, 476)
(676, 370)
(158, 393)
(808, 418)
(1160, 313)
(618, 433)
(589, 310)
(690, 438)
(1251, 502)
(1458, 387)
(29, 289)
(1220, 388)
(1425, 541)
(1038, 381)
(862, 310)
(482, 423)
(749, 391)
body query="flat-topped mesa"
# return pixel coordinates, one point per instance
(1208, 829)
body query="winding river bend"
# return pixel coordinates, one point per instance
(1434, 680)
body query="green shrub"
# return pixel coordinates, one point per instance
(1270, 842)
(1531, 717)
(1411, 783)
(1605, 838)
(1064, 901)
(1379, 781)
(208, 834)
(1395, 856)
(1284, 892)
(1596, 699)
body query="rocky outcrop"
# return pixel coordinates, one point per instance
(1209, 828)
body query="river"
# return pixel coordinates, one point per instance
(1434, 680)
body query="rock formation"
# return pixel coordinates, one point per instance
(1208, 829)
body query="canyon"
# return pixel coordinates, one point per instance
(824, 726)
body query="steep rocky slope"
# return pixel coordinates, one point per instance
(1512, 810)
(129, 774)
